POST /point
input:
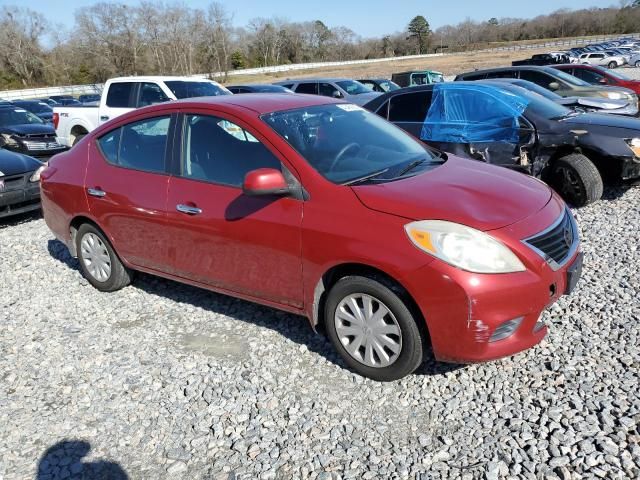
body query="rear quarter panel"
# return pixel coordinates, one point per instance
(69, 117)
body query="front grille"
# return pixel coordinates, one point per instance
(40, 146)
(557, 243)
(14, 182)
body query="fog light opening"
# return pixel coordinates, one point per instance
(506, 329)
(552, 289)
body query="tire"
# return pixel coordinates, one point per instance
(637, 64)
(612, 65)
(577, 179)
(78, 138)
(106, 279)
(408, 341)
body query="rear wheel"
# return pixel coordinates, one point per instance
(372, 328)
(637, 64)
(612, 65)
(79, 137)
(98, 261)
(577, 179)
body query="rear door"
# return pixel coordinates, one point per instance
(120, 98)
(126, 187)
(218, 235)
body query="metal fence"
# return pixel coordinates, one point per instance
(97, 88)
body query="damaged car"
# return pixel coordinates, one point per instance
(503, 125)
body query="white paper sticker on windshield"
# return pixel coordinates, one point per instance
(349, 107)
(20, 110)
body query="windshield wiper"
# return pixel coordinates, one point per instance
(364, 178)
(411, 166)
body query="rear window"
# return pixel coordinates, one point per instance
(195, 89)
(311, 88)
(119, 95)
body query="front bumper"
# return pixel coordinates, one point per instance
(463, 309)
(630, 168)
(23, 196)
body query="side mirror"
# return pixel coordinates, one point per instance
(603, 81)
(265, 181)
(337, 94)
(554, 86)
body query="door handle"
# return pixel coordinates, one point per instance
(96, 192)
(104, 118)
(188, 209)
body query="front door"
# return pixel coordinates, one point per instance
(221, 237)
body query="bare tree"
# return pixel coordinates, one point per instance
(20, 52)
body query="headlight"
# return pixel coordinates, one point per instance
(8, 140)
(634, 145)
(614, 95)
(463, 247)
(36, 175)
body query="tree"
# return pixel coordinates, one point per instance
(237, 60)
(493, 21)
(419, 31)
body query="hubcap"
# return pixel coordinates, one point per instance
(368, 330)
(95, 257)
(571, 185)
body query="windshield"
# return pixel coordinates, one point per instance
(17, 116)
(36, 107)
(543, 107)
(436, 77)
(534, 87)
(270, 88)
(195, 89)
(617, 75)
(388, 85)
(345, 142)
(570, 79)
(352, 87)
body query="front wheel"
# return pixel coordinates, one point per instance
(372, 328)
(637, 64)
(98, 261)
(612, 65)
(577, 179)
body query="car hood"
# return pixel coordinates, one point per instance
(29, 129)
(594, 102)
(363, 98)
(469, 192)
(12, 163)
(600, 120)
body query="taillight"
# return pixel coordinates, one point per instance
(56, 119)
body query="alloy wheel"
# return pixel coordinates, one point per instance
(95, 257)
(368, 330)
(571, 187)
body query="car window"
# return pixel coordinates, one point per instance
(194, 89)
(539, 78)
(589, 76)
(119, 95)
(328, 90)
(474, 76)
(288, 85)
(410, 107)
(311, 88)
(219, 151)
(11, 116)
(503, 74)
(151, 93)
(370, 85)
(139, 145)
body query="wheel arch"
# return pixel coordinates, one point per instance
(336, 272)
(75, 224)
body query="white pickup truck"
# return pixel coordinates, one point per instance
(123, 94)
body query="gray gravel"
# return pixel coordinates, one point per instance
(162, 380)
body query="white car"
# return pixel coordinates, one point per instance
(602, 59)
(123, 94)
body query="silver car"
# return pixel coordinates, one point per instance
(602, 59)
(344, 88)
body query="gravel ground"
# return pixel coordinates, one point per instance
(162, 380)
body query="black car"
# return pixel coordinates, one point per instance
(23, 132)
(381, 85)
(19, 183)
(258, 88)
(509, 126)
(40, 109)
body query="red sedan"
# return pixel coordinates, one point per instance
(595, 75)
(317, 207)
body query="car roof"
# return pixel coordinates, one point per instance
(545, 69)
(313, 79)
(260, 103)
(160, 78)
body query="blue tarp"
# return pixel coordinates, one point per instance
(467, 113)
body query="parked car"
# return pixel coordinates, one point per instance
(40, 109)
(48, 101)
(560, 82)
(417, 77)
(635, 60)
(23, 132)
(65, 100)
(581, 104)
(602, 58)
(89, 98)
(501, 125)
(543, 59)
(19, 183)
(381, 85)
(383, 217)
(344, 88)
(258, 88)
(121, 95)
(594, 75)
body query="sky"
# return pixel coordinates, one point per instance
(368, 18)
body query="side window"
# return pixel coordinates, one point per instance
(328, 90)
(383, 111)
(537, 77)
(151, 93)
(139, 145)
(219, 151)
(369, 84)
(588, 76)
(474, 76)
(410, 107)
(288, 85)
(311, 88)
(119, 95)
(503, 74)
